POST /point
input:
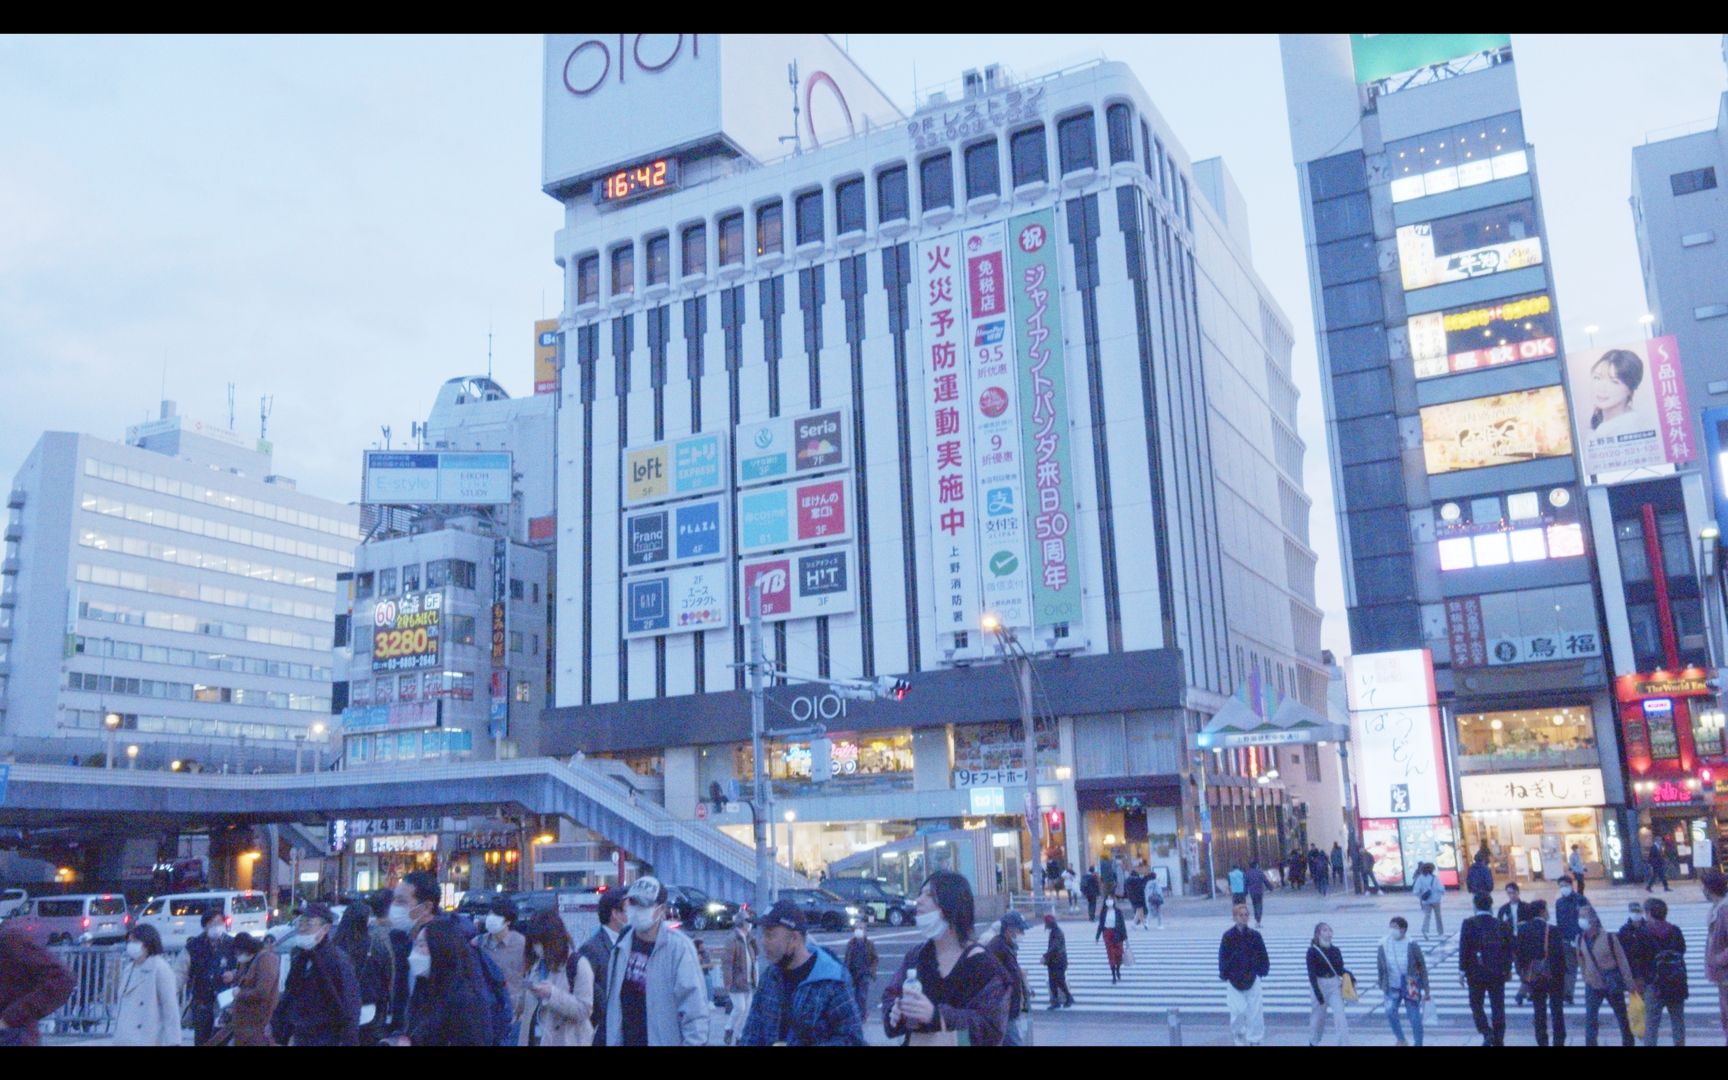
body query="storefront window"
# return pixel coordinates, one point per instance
(877, 760)
(1001, 745)
(1526, 844)
(642, 763)
(1706, 730)
(1551, 736)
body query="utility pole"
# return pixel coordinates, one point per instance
(1015, 653)
(759, 819)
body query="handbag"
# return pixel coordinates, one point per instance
(1127, 955)
(1635, 1013)
(1346, 981)
(942, 1036)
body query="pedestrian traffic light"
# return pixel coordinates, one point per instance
(1053, 819)
(717, 797)
(890, 687)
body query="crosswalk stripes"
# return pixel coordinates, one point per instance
(1178, 968)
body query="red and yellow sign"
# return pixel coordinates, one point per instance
(1687, 683)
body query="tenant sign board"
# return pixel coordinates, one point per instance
(803, 585)
(793, 447)
(792, 515)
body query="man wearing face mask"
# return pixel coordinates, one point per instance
(1004, 947)
(413, 905)
(614, 924)
(861, 965)
(210, 964)
(321, 1005)
(655, 993)
(506, 947)
(804, 998)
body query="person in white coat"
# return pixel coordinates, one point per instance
(149, 1012)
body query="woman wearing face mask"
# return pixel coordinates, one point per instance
(447, 1009)
(256, 986)
(1607, 974)
(149, 1011)
(558, 997)
(1113, 928)
(1403, 978)
(508, 949)
(1326, 973)
(374, 967)
(948, 990)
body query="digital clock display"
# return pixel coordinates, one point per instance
(635, 181)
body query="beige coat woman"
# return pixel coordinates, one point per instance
(565, 1016)
(149, 1011)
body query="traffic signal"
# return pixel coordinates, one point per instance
(890, 687)
(1053, 820)
(717, 797)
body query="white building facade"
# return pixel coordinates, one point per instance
(997, 357)
(172, 582)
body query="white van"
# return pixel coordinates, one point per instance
(181, 916)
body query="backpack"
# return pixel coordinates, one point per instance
(495, 992)
(1668, 975)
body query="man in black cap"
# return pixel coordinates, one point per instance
(321, 1005)
(1004, 947)
(805, 997)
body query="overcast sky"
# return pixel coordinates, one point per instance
(338, 221)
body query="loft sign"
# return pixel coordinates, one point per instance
(615, 58)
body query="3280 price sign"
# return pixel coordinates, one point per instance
(405, 634)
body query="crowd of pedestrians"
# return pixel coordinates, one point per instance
(398, 970)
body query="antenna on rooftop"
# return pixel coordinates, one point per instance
(266, 405)
(386, 430)
(795, 139)
(488, 350)
(230, 406)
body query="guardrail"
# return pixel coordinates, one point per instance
(97, 975)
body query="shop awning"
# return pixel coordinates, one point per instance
(1292, 722)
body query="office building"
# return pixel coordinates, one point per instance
(170, 593)
(1479, 680)
(1004, 355)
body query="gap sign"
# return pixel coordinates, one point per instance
(679, 601)
(680, 533)
(791, 515)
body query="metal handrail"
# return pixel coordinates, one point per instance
(643, 814)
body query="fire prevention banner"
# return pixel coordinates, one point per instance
(947, 395)
(1048, 455)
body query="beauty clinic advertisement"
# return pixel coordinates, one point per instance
(1630, 405)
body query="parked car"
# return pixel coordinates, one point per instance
(181, 915)
(12, 901)
(694, 908)
(90, 919)
(825, 909)
(873, 894)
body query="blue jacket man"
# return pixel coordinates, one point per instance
(1566, 911)
(804, 996)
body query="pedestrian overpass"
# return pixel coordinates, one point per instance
(683, 852)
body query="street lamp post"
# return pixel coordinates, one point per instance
(760, 822)
(110, 722)
(791, 816)
(1011, 648)
(132, 756)
(318, 730)
(299, 743)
